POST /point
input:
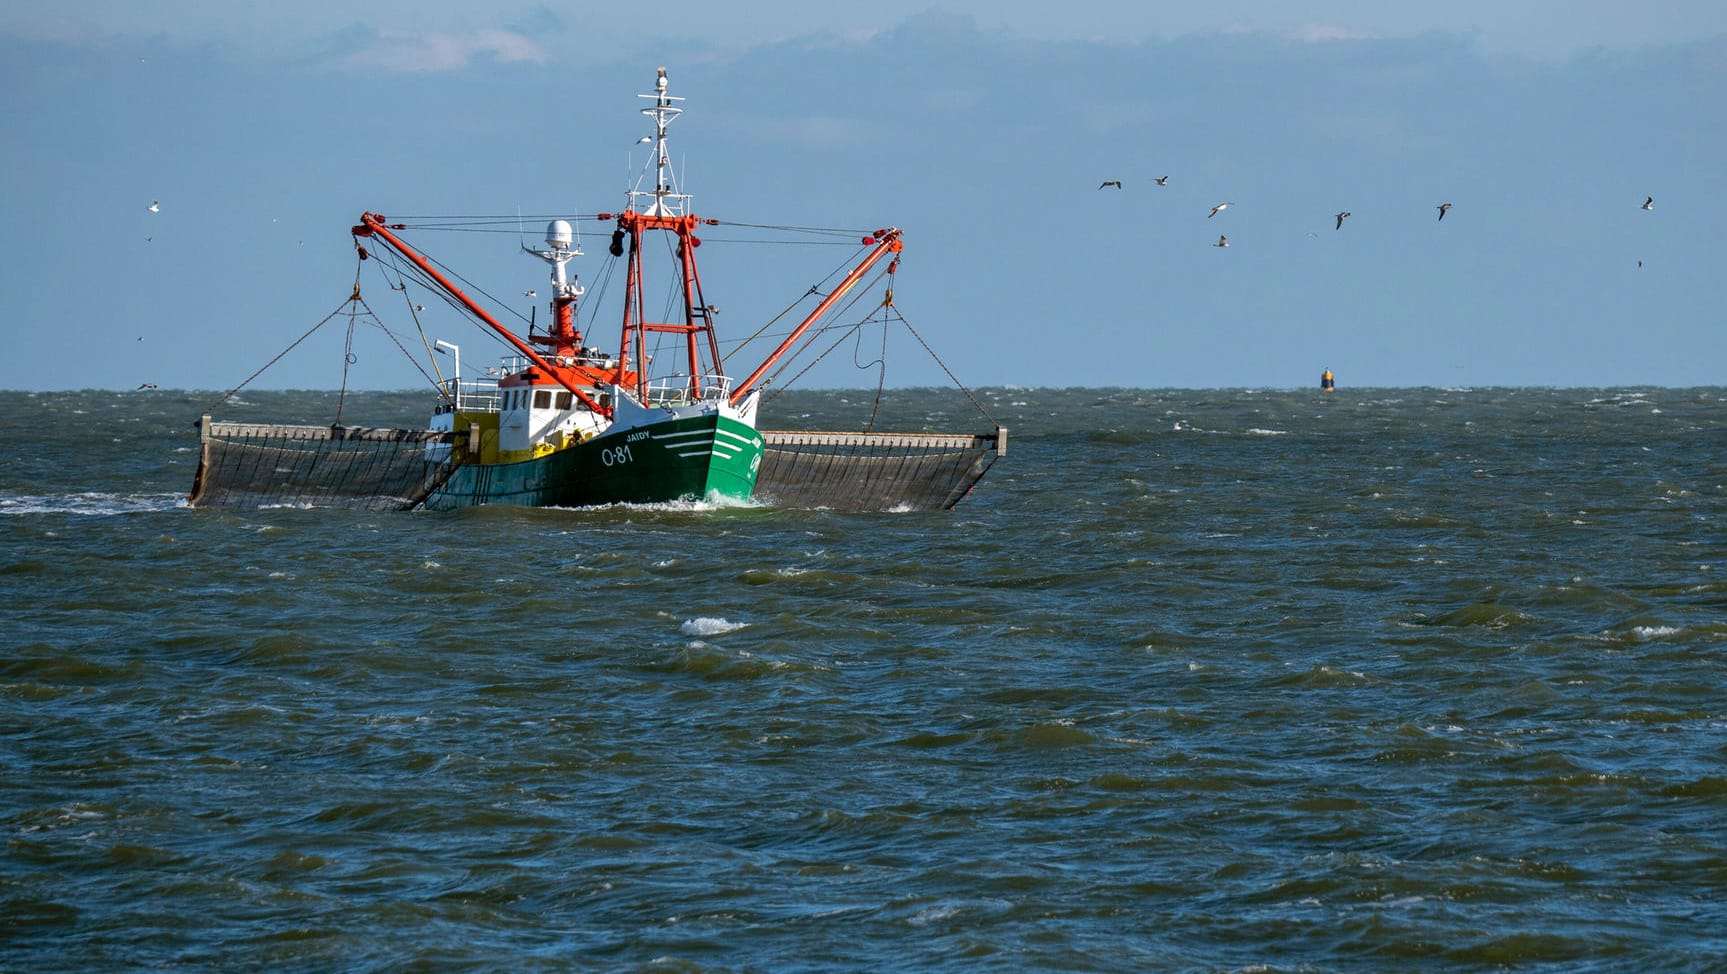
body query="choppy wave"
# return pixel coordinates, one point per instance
(1195, 680)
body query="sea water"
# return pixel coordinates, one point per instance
(1228, 680)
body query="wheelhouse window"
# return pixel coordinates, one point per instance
(564, 399)
(543, 399)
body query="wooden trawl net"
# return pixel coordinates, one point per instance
(873, 471)
(248, 465)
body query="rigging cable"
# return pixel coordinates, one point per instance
(231, 393)
(815, 289)
(955, 379)
(431, 356)
(379, 322)
(809, 340)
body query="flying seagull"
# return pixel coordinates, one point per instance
(1110, 182)
(1219, 208)
(530, 294)
(156, 206)
(644, 138)
(1222, 241)
(146, 385)
(1442, 208)
(1649, 204)
(1340, 218)
(1163, 180)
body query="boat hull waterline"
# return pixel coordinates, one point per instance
(691, 458)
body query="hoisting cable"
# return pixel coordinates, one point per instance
(348, 356)
(881, 373)
(881, 361)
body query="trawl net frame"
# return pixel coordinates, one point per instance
(246, 465)
(873, 471)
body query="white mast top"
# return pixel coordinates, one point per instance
(561, 241)
(667, 201)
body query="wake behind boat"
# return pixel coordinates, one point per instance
(565, 422)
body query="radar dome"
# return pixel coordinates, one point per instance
(559, 235)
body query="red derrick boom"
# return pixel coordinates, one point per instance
(696, 326)
(372, 225)
(886, 242)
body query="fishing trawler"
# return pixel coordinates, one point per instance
(564, 422)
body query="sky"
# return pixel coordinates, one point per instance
(982, 130)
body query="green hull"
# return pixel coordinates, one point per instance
(678, 458)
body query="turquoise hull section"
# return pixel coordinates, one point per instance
(679, 458)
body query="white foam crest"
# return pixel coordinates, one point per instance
(97, 503)
(714, 501)
(709, 626)
(720, 501)
(940, 912)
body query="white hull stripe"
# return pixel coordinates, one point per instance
(681, 439)
(742, 440)
(710, 442)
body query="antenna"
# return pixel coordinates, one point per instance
(667, 197)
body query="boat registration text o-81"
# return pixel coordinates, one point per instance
(611, 456)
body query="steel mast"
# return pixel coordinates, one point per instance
(666, 209)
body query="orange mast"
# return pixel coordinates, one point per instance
(665, 208)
